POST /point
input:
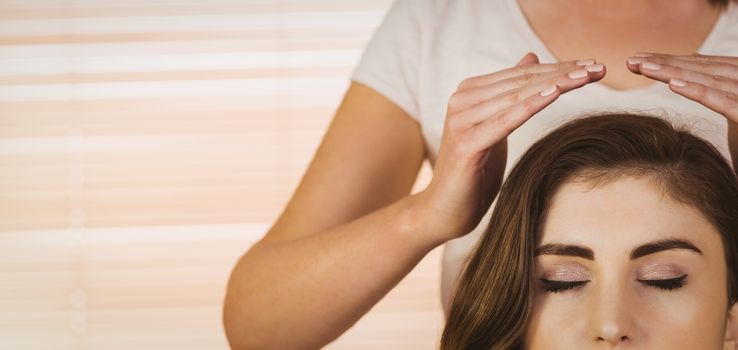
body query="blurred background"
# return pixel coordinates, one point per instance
(146, 144)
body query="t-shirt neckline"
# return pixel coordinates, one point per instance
(530, 35)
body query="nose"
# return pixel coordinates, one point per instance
(612, 335)
(612, 318)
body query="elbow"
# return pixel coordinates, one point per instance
(235, 317)
(238, 334)
(239, 322)
(242, 328)
(245, 330)
(248, 320)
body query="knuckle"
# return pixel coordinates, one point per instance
(454, 123)
(511, 98)
(505, 122)
(529, 104)
(702, 64)
(456, 100)
(724, 67)
(471, 82)
(731, 85)
(504, 118)
(732, 101)
(718, 79)
(528, 77)
(522, 80)
(700, 91)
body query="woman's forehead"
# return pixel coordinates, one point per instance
(623, 214)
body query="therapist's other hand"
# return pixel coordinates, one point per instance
(709, 80)
(484, 110)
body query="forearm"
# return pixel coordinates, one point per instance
(733, 143)
(306, 292)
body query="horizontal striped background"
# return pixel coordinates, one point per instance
(145, 145)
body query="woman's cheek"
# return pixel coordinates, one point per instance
(685, 318)
(550, 312)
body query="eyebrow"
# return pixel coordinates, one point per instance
(665, 244)
(566, 250)
(639, 252)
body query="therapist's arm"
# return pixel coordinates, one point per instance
(349, 234)
(303, 294)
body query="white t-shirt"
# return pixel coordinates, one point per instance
(423, 49)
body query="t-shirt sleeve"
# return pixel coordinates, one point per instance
(390, 62)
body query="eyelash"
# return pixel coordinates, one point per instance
(666, 284)
(552, 286)
(560, 286)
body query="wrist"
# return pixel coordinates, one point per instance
(425, 232)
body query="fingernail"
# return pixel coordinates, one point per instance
(643, 54)
(677, 82)
(650, 65)
(635, 60)
(586, 62)
(577, 74)
(548, 91)
(594, 68)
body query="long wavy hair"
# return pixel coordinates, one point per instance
(492, 304)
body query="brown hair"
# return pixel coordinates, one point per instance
(492, 304)
(721, 3)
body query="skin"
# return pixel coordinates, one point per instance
(596, 30)
(612, 31)
(709, 80)
(613, 309)
(341, 244)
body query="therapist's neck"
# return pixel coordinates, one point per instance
(629, 9)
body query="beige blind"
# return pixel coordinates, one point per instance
(145, 145)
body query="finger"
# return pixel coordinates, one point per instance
(692, 57)
(466, 99)
(729, 70)
(502, 95)
(722, 102)
(665, 72)
(714, 68)
(528, 59)
(494, 130)
(573, 79)
(491, 78)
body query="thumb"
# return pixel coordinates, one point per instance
(529, 58)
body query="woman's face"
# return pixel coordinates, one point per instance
(622, 266)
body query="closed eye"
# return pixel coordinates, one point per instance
(666, 284)
(554, 286)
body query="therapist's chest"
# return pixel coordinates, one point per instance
(611, 36)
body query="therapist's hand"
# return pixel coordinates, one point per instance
(709, 80)
(484, 110)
